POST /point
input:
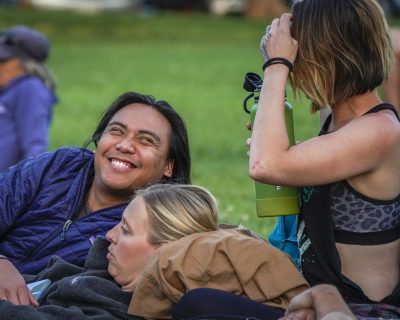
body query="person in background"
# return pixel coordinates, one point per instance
(27, 95)
(59, 202)
(102, 289)
(349, 225)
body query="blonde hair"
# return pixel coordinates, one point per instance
(178, 210)
(344, 49)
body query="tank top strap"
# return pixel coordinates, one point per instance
(383, 106)
(379, 107)
(325, 126)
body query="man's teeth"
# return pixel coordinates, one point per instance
(120, 164)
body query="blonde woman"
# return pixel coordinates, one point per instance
(157, 215)
(349, 227)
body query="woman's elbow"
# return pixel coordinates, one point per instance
(261, 172)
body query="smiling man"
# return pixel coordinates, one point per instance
(132, 152)
(59, 202)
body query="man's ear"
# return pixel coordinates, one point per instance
(169, 168)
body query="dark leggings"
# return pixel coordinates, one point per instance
(210, 304)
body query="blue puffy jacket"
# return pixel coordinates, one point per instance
(38, 199)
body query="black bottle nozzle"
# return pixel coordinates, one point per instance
(252, 82)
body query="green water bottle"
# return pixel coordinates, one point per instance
(272, 200)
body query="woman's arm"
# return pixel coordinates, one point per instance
(357, 148)
(360, 146)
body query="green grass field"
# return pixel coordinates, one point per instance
(194, 61)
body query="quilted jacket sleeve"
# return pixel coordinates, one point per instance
(18, 186)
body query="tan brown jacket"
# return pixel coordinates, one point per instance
(222, 259)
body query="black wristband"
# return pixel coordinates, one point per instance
(278, 60)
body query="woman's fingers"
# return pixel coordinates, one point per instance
(281, 44)
(285, 21)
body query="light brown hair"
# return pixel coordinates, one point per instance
(344, 49)
(178, 210)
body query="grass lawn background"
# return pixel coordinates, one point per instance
(194, 61)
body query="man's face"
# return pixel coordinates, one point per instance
(132, 151)
(130, 249)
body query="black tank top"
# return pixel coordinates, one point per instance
(320, 262)
(358, 219)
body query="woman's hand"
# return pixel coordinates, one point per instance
(13, 287)
(277, 41)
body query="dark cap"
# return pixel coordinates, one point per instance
(21, 41)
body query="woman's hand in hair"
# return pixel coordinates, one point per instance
(278, 41)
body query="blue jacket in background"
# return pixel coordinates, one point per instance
(26, 106)
(38, 198)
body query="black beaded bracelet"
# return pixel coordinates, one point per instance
(278, 60)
